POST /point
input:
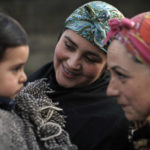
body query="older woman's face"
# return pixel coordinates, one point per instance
(130, 82)
(77, 62)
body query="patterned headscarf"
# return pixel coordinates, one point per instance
(91, 21)
(134, 33)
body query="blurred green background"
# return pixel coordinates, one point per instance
(43, 21)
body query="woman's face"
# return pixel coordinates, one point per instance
(130, 82)
(77, 62)
(12, 74)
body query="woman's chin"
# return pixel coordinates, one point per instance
(134, 118)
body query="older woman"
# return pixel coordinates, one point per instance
(79, 79)
(129, 64)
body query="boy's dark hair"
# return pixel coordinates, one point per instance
(11, 34)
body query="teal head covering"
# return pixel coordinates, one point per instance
(91, 21)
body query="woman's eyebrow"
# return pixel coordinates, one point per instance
(117, 68)
(70, 40)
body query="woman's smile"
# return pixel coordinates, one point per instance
(69, 73)
(77, 62)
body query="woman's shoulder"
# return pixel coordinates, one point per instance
(11, 131)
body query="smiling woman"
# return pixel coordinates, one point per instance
(79, 79)
(129, 64)
(77, 64)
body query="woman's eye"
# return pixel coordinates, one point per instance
(121, 75)
(90, 60)
(69, 47)
(93, 59)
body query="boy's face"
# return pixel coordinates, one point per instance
(12, 75)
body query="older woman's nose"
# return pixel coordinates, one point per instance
(112, 89)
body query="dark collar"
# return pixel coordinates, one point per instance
(6, 103)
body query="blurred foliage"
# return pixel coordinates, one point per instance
(43, 21)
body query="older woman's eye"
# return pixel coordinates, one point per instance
(121, 75)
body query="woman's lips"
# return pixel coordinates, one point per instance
(123, 106)
(69, 74)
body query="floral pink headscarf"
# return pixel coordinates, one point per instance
(134, 33)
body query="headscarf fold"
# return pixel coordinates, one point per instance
(134, 33)
(91, 21)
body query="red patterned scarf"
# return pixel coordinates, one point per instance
(134, 34)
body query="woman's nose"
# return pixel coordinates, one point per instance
(74, 62)
(112, 89)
